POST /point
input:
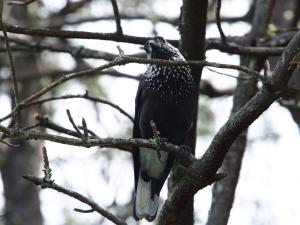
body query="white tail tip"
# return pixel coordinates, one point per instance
(145, 206)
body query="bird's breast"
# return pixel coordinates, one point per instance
(170, 83)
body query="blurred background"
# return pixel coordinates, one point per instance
(268, 189)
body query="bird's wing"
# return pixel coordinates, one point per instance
(139, 102)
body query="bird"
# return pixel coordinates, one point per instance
(165, 95)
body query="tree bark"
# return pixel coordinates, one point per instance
(192, 30)
(22, 204)
(280, 19)
(224, 190)
(203, 171)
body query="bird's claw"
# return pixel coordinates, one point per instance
(186, 149)
(163, 140)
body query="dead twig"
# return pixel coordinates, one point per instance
(16, 115)
(75, 126)
(47, 182)
(20, 3)
(117, 17)
(218, 21)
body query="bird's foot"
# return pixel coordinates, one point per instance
(163, 141)
(186, 149)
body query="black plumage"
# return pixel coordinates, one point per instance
(166, 96)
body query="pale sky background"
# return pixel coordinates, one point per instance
(268, 191)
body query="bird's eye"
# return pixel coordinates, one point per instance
(160, 39)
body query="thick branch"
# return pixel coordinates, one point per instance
(124, 144)
(77, 34)
(192, 27)
(81, 52)
(207, 166)
(211, 43)
(224, 190)
(244, 50)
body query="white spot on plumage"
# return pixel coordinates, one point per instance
(175, 80)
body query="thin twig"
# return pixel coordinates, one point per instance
(117, 17)
(70, 7)
(30, 127)
(44, 122)
(244, 50)
(218, 21)
(47, 179)
(92, 134)
(126, 60)
(75, 126)
(121, 51)
(20, 3)
(45, 157)
(84, 210)
(79, 197)
(16, 116)
(9, 144)
(57, 73)
(228, 75)
(47, 182)
(85, 129)
(85, 96)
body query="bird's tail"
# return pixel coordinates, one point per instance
(145, 203)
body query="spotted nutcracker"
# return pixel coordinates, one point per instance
(166, 96)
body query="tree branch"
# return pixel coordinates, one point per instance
(85, 96)
(46, 182)
(75, 51)
(42, 32)
(212, 43)
(44, 122)
(123, 144)
(117, 17)
(16, 115)
(244, 50)
(218, 21)
(125, 60)
(207, 166)
(72, 21)
(71, 7)
(224, 190)
(20, 3)
(95, 207)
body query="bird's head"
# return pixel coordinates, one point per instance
(159, 48)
